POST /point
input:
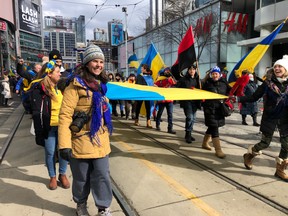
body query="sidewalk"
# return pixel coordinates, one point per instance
(24, 178)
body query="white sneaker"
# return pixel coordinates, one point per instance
(105, 213)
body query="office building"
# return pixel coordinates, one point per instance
(7, 35)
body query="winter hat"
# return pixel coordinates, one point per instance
(167, 69)
(55, 55)
(92, 52)
(283, 62)
(215, 69)
(50, 66)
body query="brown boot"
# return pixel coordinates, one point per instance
(53, 183)
(64, 181)
(218, 150)
(249, 157)
(281, 165)
(205, 143)
(149, 124)
(136, 122)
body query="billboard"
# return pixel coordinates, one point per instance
(117, 34)
(29, 16)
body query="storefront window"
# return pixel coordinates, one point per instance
(267, 2)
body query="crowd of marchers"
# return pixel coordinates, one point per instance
(72, 116)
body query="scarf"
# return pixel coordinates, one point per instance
(281, 100)
(99, 109)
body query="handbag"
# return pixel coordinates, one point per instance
(227, 108)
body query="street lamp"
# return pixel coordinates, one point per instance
(124, 9)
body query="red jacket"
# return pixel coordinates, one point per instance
(165, 82)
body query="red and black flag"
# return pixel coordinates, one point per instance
(186, 54)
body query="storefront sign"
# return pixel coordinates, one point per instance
(3, 26)
(236, 22)
(29, 17)
(203, 25)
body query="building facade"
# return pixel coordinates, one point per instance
(269, 14)
(101, 35)
(62, 33)
(63, 41)
(222, 33)
(8, 51)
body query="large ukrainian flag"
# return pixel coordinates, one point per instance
(154, 60)
(128, 91)
(251, 59)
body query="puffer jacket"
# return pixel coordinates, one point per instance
(275, 105)
(41, 112)
(212, 108)
(78, 98)
(188, 82)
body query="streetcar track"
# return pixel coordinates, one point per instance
(230, 181)
(123, 203)
(244, 146)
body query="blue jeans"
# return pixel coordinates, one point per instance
(50, 149)
(190, 113)
(169, 108)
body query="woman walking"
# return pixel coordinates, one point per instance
(214, 117)
(84, 129)
(46, 103)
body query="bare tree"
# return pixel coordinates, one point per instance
(204, 23)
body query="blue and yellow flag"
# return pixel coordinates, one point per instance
(133, 61)
(251, 59)
(154, 60)
(141, 92)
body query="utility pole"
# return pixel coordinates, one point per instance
(124, 9)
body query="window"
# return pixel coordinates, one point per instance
(267, 2)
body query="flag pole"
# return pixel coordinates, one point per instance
(198, 71)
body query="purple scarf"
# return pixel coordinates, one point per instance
(100, 108)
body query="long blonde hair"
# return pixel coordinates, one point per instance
(46, 81)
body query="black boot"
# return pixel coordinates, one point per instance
(171, 131)
(122, 113)
(244, 120)
(188, 137)
(254, 116)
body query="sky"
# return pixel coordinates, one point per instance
(99, 16)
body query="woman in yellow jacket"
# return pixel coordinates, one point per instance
(84, 129)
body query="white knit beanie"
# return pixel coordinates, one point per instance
(283, 62)
(92, 52)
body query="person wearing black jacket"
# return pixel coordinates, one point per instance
(213, 114)
(46, 100)
(274, 91)
(190, 81)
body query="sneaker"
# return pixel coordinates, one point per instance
(158, 128)
(105, 212)
(81, 209)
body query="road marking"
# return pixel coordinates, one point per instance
(172, 182)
